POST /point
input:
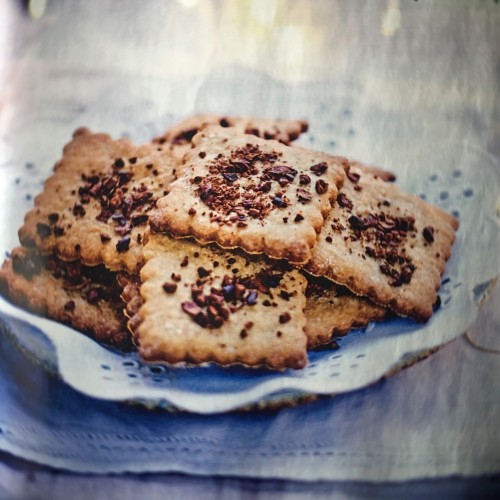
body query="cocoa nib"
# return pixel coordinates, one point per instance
(285, 318)
(69, 306)
(138, 220)
(191, 308)
(304, 196)
(356, 222)
(353, 177)
(319, 168)
(279, 202)
(281, 171)
(230, 177)
(119, 163)
(321, 186)
(53, 217)
(202, 272)
(344, 201)
(123, 244)
(169, 287)
(428, 233)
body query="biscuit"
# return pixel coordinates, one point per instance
(242, 191)
(87, 299)
(178, 138)
(203, 304)
(95, 206)
(332, 310)
(384, 244)
(377, 172)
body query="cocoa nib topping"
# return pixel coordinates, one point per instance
(304, 196)
(321, 186)
(69, 306)
(247, 184)
(169, 287)
(118, 201)
(53, 217)
(428, 234)
(210, 306)
(344, 201)
(78, 210)
(58, 231)
(279, 202)
(123, 244)
(285, 318)
(319, 168)
(383, 237)
(119, 163)
(185, 136)
(353, 177)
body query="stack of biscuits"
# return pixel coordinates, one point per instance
(221, 242)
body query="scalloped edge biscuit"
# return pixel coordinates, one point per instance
(260, 195)
(333, 310)
(95, 205)
(205, 304)
(386, 245)
(27, 281)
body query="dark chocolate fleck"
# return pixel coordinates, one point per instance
(319, 168)
(169, 287)
(285, 317)
(123, 244)
(428, 233)
(321, 186)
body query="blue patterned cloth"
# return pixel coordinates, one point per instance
(438, 418)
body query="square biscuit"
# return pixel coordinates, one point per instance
(242, 191)
(332, 310)
(95, 206)
(205, 304)
(385, 244)
(178, 137)
(87, 299)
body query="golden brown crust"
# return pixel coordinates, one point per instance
(386, 245)
(95, 205)
(242, 191)
(205, 304)
(332, 310)
(63, 292)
